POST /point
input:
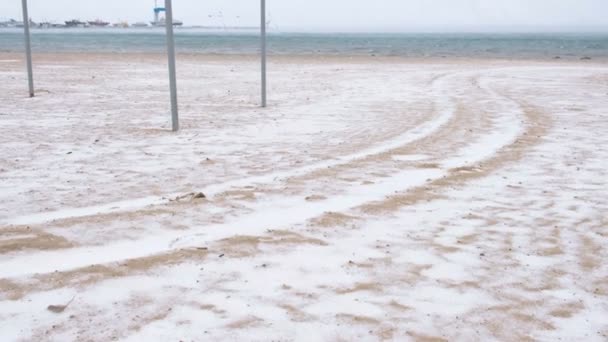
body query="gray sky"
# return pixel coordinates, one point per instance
(340, 15)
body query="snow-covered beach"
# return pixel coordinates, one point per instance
(376, 198)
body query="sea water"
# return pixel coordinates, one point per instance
(193, 40)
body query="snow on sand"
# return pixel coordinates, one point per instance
(376, 199)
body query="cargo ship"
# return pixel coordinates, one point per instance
(121, 24)
(162, 22)
(75, 23)
(98, 23)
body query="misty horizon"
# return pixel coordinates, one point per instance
(342, 15)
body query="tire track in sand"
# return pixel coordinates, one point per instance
(445, 111)
(84, 257)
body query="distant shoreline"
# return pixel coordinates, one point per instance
(302, 31)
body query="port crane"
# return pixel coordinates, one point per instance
(157, 11)
(158, 21)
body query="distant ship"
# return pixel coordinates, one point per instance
(42, 25)
(48, 24)
(122, 24)
(99, 23)
(11, 23)
(20, 24)
(75, 23)
(140, 24)
(162, 22)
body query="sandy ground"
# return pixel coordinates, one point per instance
(375, 199)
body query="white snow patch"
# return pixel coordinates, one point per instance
(410, 157)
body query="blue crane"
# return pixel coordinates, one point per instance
(157, 11)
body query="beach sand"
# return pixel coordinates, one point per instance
(375, 198)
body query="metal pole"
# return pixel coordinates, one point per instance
(28, 48)
(171, 55)
(263, 43)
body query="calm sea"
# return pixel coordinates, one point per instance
(190, 40)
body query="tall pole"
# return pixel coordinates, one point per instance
(28, 48)
(171, 55)
(263, 43)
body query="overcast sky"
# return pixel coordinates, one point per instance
(340, 15)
